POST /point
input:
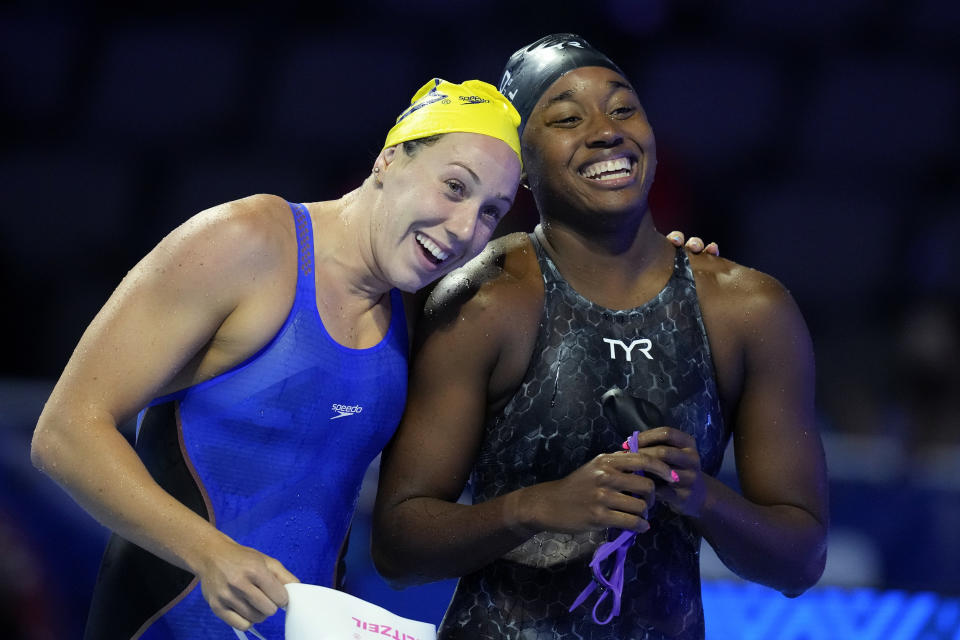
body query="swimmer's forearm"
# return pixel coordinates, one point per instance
(424, 539)
(95, 464)
(780, 546)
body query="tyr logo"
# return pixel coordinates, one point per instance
(644, 344)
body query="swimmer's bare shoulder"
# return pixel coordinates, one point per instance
(210, 293)
(240, 259)
(495, 300)
(158, 331)
(231, 241)
(731, 289)
(742, 308)
(251, 233)
(256, 239)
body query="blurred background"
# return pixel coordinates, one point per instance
(816, 141)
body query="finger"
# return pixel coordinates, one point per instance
(676, 492)
(676, 238)
(260, 604)
(637, 502)
(633, 462)
(274, 588)
(695, 244)
(641, 487)
(713, 249)
(665, 436)
(623, 511)
(281, 572)
(247, 601)
(233, 619)
(634, 500)
(674, 458)
(630, 521)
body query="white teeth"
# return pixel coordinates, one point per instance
(607, 169)
(431, 246)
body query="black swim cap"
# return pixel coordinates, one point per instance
(532, 69)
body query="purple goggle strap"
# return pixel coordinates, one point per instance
(614, 584)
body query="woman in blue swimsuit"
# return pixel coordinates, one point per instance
(264, 345)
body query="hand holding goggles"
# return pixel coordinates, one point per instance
(622, 411)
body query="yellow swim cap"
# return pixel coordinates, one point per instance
(444, 107)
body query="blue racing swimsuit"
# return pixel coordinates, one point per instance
(272, 452)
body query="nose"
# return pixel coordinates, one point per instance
(462, 223)
(603, 133)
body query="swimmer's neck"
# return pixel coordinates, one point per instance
(606, 261)
(343, 245)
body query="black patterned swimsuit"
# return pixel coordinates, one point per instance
(553, 425)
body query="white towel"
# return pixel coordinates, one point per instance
(319, 613)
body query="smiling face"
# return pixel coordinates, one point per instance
(441, 205)
(588, 149)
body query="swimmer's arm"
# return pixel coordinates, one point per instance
(166, 310)
(775, 532)
(417, 522)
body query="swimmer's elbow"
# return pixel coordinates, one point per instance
(390, 546)
(391, 569)
(399, 582)
(49, 445)
(397, 564)
(43, 446)
(37, 454)
(381, 562)
(807, 574)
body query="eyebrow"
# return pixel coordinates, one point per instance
(476, 179)
(569, 93)
(560, 97)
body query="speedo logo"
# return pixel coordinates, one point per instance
(473, 100)
(344, 410)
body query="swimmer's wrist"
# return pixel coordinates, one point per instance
(201, 553)
(702, 508)
(518, 517)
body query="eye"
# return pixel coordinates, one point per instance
(492, 213)
(456, 187)
(623, 112)
(569, 121)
